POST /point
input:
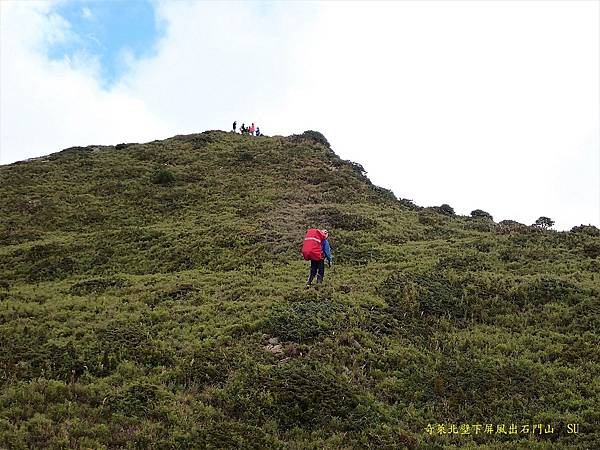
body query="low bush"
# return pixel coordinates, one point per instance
(590, 230)
(485, 226)
(409, 204)
(127, 340)
(52, 268)
(162, 176)
(511, 227)
(306, 321)
(311, 135)
(592, 250)
(299, 395)
(480, 214)
(430, 294)
(337, 219)
(198, 141)
(463, 262)
(444, 209)
(138, 400)
(208, 365)
(124, 146)
(430, 218)
(96, 286)
(245, 156)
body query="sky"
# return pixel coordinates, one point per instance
(491, 105)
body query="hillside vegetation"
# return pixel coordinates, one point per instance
(152, 296)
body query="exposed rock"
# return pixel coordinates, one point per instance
(275, 349)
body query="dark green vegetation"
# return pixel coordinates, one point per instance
(151, 297)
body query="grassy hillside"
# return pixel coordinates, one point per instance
(152, 296)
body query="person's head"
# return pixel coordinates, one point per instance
(326, 233)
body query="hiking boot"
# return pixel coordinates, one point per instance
(307, 286)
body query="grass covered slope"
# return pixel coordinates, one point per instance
(151, 296)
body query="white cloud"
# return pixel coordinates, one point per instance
(490, 105)
(49, 105)
(218, 62)
(86, 13)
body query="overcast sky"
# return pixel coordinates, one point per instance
(481, 105)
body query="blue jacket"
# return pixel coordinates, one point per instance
(326, 249)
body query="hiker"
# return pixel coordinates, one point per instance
(252, 129)
(243, 129)
(316, 248)
(234, 125)
(257, 131)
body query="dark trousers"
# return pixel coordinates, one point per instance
(314, 267)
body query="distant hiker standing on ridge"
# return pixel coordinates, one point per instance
(252, 129)
(316, 248)
(234, 125)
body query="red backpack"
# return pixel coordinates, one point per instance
(311, 249)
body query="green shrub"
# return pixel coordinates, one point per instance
(334, 219)
(463, 261)
(245, 156)
(592, 250)
(310, 396)
(409, 204)
(225, 433)
(382, 321)
(124, 146)
(317, 177)
(207, 365)
(547, 290)
(96, 286)
(352, 250)
(511, 223)
(357, 168)
(430, 294)
(388, 437)
(590, 230)
(162, 176)
(138, 399)
(127, 340)
(198, 141)
(64, 362)
(480, 214)
(306, 321)
(51, 268)
(482, 225)
(385, 195)
(544, 223)
(430, 218)
(511, 227)
(311, 135)
(483, 246)
(299, 395)
(444, 209)
(469, 385)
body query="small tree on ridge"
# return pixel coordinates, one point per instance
(544, 222)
